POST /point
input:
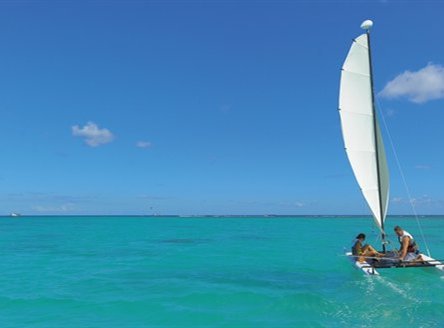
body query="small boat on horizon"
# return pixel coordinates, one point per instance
(14, 214)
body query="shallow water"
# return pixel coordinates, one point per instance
(218, 272)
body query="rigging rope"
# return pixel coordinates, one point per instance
(411, 200)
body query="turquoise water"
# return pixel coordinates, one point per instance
(212, 272)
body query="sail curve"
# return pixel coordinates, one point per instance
(360, 129)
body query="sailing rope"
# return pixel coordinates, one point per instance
(398, 163)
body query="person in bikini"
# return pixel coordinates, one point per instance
(361, 251)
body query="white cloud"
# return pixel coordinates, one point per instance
(92, 134)
(54, 208)
(143, 144)
(420, 86)
(423, 167)
(390, 112)
(421, 201)
(154, 197)
(292, 204)
(397, 200)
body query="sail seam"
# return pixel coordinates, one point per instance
(355, 113)
(365, 47)
(357, 73)
(358, 42)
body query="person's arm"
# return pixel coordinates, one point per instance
(405, 245)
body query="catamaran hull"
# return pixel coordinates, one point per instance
(370, 270)
(364, 267)
(437, 264)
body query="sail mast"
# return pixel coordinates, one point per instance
(381, 207)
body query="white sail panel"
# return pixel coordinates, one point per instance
(358, 129)
(355, 95)
(372, 197)
(353, 126)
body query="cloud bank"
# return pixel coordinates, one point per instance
(419, 87)
(92, 134)
(421, 201)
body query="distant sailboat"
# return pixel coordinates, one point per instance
(363, 140)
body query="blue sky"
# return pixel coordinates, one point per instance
(215, 107)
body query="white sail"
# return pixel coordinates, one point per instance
(358, 129)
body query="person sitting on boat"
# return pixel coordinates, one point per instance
(362, 251)
(409, 250)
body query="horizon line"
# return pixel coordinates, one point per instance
(214, 215)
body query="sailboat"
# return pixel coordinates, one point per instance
(364, 144)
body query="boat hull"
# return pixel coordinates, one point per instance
(437, 264)
(364, 266)
(369, 269)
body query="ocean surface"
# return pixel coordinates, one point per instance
(209, 272)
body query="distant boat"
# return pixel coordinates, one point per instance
(364, 145)
(14, 214)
